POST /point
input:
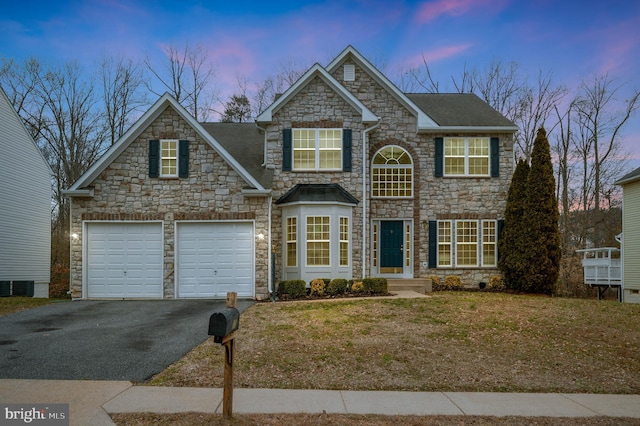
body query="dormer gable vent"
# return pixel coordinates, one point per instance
(349, 72)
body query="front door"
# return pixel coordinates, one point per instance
(391, 245)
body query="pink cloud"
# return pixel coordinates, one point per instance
(432, 10)
(439, 54)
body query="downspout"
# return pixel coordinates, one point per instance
(270, 282)
(364, 196)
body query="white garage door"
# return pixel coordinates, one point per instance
(214, 258)
(124, 260)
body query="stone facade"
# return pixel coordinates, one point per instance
(216, 191)
(212, 192)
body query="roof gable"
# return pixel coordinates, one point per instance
(424, 121)
(629, 177)
(139, 126)
(317, 71)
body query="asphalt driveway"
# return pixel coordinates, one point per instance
(103, 340)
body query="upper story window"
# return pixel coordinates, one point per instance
(169, 158)
(392, 173)
(466, 156)
(317, 149)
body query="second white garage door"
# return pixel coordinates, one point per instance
(214, 258)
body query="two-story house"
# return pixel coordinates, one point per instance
(342, 176)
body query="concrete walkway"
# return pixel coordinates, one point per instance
(90, 402)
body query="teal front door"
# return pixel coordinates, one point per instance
(391, 245)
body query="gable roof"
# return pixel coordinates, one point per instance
(317, 193)
(460, 109)
(317, 71)
(424, 121)
(629, 177)
(79, 188)
(245, 143)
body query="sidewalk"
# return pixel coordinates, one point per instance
(92, 401)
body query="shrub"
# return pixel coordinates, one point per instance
(357, 287)
(435, 280)
(496, 283)
(59, 284)
(452, 282)
(292, 289)
(375, 285)
(337, 286)
(318, 286)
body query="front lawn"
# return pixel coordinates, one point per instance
(451, 341)
(10, 305)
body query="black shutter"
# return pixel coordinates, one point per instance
(183, 159)
(439, 157)
(154, 158)
(287, 149)
(346, 150)
(495, 157)
(433, 244)
(500, 228)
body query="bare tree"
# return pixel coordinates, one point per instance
(270, 88)
(188, 77)
(122, 80)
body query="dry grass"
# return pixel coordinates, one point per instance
(458, 341)
(196, 419)
(10, 305)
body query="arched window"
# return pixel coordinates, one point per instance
(392, 173)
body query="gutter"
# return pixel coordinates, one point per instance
(468, 129)
(264, 155)
(78, 192)
(364, 195)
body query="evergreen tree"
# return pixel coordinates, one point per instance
(513, 241)
(237, 110)
(542, 254)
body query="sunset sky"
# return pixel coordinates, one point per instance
(573, 39)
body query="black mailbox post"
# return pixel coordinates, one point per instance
(222, 325)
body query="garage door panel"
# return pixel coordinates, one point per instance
(124, 260)
(214, 258)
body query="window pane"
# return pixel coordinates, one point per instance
(330, 159)
(466, 243)
(479, 166)
(318, 241)
(454, 165)
(292, 244)
(489, 257)
(444, 243)
(304, 159)
(344, 241)
(169, 156)
(392, 173)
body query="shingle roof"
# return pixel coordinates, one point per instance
(313, 192)
(246, 144)
(629, 177)
(459, 109)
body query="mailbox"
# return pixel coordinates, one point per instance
(224, 322)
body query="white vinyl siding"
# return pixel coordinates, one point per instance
(631, 236)
(25, 209)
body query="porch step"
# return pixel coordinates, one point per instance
(419, 285)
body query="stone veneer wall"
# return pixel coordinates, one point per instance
(213, 191)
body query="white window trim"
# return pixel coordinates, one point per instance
(453, 244)
(341, 241)
(288, 242)
(467, 157)
(307, 240)
(317, 167)
(177, 158)
(394, 166)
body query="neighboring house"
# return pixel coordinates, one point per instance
(630, 236)
(342, 176)
(25, 208)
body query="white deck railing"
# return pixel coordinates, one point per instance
(602, 266)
